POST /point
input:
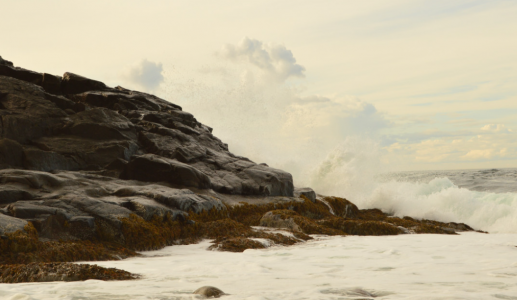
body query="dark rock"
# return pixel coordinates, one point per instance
(48, 272)
(153, 168)
(64, 103)
(172, 119)
(21, 74)
(39, 160)
(209, 292)
(459, 226)
(5, 62)
(10, 154)
(75, 84)
(102, 124)
(307, 192)
(51, 83)
(25, 113)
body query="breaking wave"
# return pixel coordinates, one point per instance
(352, 171)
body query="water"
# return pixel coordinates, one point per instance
(469, 266)
(465, 266)
(486, 180)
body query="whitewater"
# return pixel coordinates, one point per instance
(466, 266)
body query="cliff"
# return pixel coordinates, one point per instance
(91, 172)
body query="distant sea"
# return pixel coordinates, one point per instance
(485, 180)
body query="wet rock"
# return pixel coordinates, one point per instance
(47, 272)
(361, 227)
(209, 292)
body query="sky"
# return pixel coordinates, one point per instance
(306, 86)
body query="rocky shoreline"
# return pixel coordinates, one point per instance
(89, 173)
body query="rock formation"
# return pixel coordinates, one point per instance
(92, 172)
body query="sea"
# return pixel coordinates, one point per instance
(470, 265)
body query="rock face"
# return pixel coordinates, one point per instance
(76, 155)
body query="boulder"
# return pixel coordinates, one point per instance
(10, 224)
(209, 292)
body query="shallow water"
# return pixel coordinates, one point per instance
(466, 266)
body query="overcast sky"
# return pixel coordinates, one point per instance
(428, 84)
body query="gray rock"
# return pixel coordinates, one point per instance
(307, 192)
(10, 224)
(209, 292)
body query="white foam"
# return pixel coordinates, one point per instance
(351, 171)
(468, 266)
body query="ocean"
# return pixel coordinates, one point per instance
(466, 266)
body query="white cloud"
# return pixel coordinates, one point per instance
(500, 128)
(276, 60)
(145, 74)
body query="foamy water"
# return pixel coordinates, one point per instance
(468, 266)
